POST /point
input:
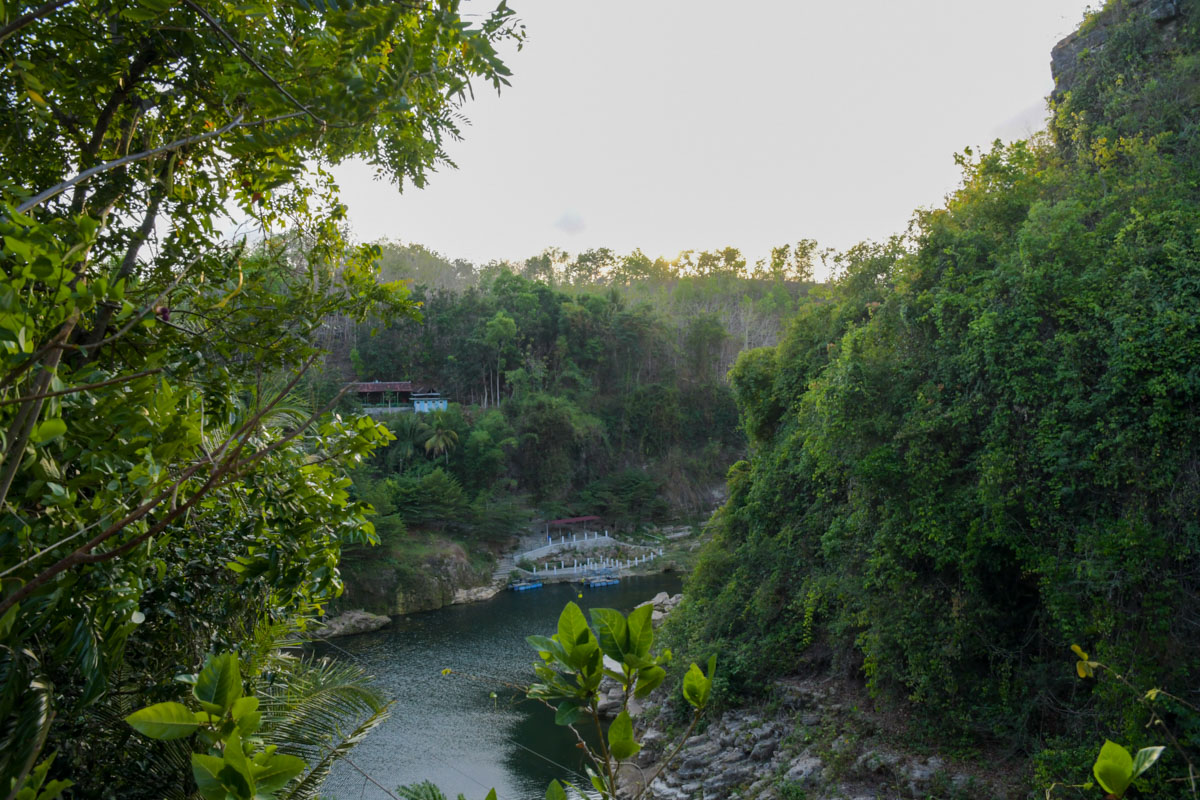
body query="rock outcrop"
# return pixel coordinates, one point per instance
(442, 579)
(1069, 55)
(810, 743)
(351, 622)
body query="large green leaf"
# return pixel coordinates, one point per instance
(649, 679)
(47, 430)
(573, 631)
(544, 644)
(612, 632)
(238, 773)
(1145, 759)
(164, 721)
(641, 630)
(1113, 768)
(219, 684)
(696, 687)
(568, 713)
(277, 772)
(206, 770)
(620, 737)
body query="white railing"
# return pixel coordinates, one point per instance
(586, 541)
(592, 565)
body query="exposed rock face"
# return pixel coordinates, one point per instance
(350, 623)
(441, 580)
(476, 594)
(811, 742)
(808, 747)
(1068, 55)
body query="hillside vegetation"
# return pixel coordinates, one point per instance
(984, 448)
(592, 385)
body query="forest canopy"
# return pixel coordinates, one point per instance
(984, 449)
(166, 494)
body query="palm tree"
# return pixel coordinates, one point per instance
(410, 431)
(442, 438)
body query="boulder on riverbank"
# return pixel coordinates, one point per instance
(350, 623)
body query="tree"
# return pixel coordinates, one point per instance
(499, 332)
(143, 357)
(442, 438)
(793, 262)
(591, 266)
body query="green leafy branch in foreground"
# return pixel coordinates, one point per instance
(1116, 768)
(235, 765)
(578, 657)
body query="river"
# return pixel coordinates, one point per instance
(451, 729)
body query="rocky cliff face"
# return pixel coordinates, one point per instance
(814, 741)
(440, 580)
(1070, 55)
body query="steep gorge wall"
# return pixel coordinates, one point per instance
(1069, 57)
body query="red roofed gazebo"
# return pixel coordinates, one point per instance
(572, 521)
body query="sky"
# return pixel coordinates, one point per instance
(669, 125)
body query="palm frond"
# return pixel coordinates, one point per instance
(421, 791)
(318, 709)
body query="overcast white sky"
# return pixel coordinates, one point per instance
(672, 124)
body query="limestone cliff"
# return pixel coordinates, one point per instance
(399, 587)
(1070, 55)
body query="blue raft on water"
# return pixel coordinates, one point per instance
(524, 585)
(596, 581)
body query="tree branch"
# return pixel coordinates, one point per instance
(83, 554)
(84, 388)
(30, 410)
(59, 188)
(33, 16)
(245, 54)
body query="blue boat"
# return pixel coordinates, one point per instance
(596, 581)
(524, 585)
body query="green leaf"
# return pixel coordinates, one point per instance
(620, 737)
(277, 772)
(1145, 759)
(245, 712)
(648, 680)
(237, 773)
(491, 795)
(572, 627)
(555, 791)
(1113, 768)
(219, 684)
(544, 644)
(641, 630)
(163, 721)
(207, 770)
(696, 687)
(47, 430)
(568, 713)
(597, 782)
(612, 632)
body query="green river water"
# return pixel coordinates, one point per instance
(449, 729)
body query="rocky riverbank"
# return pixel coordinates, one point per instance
(816, 739)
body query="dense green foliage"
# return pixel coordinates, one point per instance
(277, 741)
(594, 399)
(578, 657)
(164, 494)
(985, 447)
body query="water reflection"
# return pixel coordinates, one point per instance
(451, 730)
